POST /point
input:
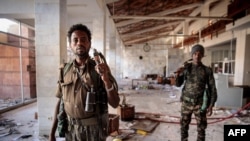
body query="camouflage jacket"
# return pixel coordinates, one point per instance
(195, 79)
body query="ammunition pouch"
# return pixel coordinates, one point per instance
(206, 100)
(62, 124)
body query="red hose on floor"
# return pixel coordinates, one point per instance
(219, 119)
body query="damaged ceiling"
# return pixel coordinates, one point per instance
(141, 21)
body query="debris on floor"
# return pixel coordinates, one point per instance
(11, 127)
(4, 132)
(22, 137)
(145, 125)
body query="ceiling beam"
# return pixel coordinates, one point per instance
(150, 29)
(153, 44)
(167, 35)
(169, 17)
(194, 13)
(149, 37)
(167, 12)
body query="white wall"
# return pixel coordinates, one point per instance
(151, 63)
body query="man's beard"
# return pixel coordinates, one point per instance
(82, 54)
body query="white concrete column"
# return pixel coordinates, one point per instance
(242, 65)
(112, 45)
(173, 38)
(50, 26)
(185, 28)
(185, 31)
(167, 66)
(111, 53)
(98, 34)
(119, 59)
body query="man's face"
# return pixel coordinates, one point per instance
(80, 43)
(197, 56)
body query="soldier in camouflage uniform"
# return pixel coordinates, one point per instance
(81, 76)
(196, 78)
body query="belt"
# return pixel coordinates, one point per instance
(192, 100)
(86, 121)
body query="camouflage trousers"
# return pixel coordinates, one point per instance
(83, 133)
(187, 109)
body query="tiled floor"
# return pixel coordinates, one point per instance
(162, 102)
